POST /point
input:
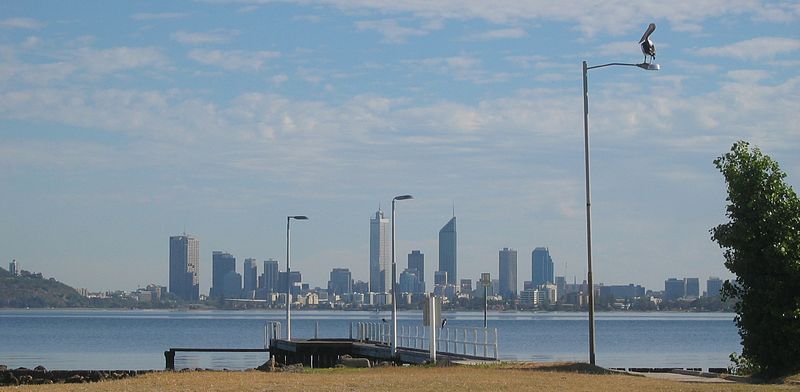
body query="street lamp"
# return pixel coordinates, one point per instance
(648, 50)
(288, 277)
(486, 280)
(394, 278)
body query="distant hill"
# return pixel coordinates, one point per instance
(31, 290)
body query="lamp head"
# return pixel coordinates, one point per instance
(299, 217)
(403, 197)
(649, 66)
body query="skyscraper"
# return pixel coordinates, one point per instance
(416, 262)
(713, 286)
(341, 282)
(674, 289)
(250, 275)
(541, 267)
(448, 260)
(692, 287)
(221, 264)
(380, 244)
(508, 273)
(184, 267)
(270, 276)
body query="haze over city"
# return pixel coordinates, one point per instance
(122, 124)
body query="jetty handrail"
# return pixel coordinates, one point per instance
(272, 331)
(474, 341)
(370, 331)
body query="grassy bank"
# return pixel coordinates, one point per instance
(488, 378)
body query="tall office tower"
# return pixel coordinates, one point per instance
(221, 264)
(713, 286)
(270, 276)
(184, 267)
(508, 273)
(674, 289)
(231, 285)
(465, 286)
(250, 275)
(409, 281)
(380, 242)
(541, 267)
(692, 287)
(294, 282)
(416, 262)
(13, 267)
(561, 286)
(341, 282)
(440, 278)
(448, 260)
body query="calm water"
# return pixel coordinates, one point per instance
(104, 339)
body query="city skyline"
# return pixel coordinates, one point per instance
(138, 121)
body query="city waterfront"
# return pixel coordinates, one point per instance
(136, 339)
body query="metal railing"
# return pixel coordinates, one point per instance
(476, 342)
(272, 331)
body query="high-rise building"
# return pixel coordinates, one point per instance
(674, 289)
(416, 262)
(295, 277)
(221, 264)
(341, 282)
(508, 273)
(713, 286)
(440, 278)
(380, 244)
(465, 286)
(13, 267)
(409, 281)
(448, 259)
(541, 267)
(184, 267)
(250, 275)
(270, 276)
(231, 285)
(692, 287)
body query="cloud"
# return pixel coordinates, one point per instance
(510, 33)
(233, 60)
(201, 38)
(463, 67)
(103, 61)
(391, 30)
(20, 23)
(761, 48)
(158, 16)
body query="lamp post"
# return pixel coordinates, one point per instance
(586, 68)
(288, 275)
(486, 280)
(394, 278)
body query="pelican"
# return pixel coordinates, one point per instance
(648, 48)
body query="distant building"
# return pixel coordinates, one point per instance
(270, 276)
(416, 261)
(622, 291)
(713, 286)
(341, 282)
(13, 267)
(508, 273)
(440, 278)
(221, 264)
(561, 286)
(541, 267)
(184, 267)
(692, 287)
(231, 285)
(466, 286)
(250, 275)
(380, 244)
(361, 287)
(294, 282)
(448, 258)
(674, 289)
(409, 281)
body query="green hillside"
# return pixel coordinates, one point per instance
(34, 291)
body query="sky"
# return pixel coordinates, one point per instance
(124, 123)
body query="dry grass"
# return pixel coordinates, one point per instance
(516, 377)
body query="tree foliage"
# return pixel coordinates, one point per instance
(761, 243)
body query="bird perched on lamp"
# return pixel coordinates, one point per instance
(648, 48)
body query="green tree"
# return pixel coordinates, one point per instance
(762, 247)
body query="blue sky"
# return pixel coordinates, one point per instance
(122, 123)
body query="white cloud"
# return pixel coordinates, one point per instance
(158, 16)
(201, 38)
(391, 30)
(761, 48)
(20, 23)
(510, 33)
(233, 60)
(102, 61)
